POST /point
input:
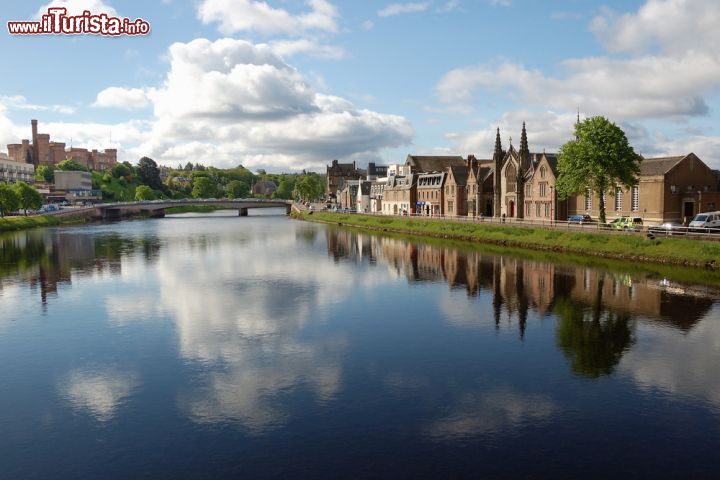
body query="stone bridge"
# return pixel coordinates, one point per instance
(156, 208)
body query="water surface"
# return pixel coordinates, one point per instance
(210, 346)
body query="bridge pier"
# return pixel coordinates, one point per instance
(288, 209)
(243, 212)
(160, 213)
(111, 214)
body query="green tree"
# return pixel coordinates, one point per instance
(149, 173)
(308, 187)
(203, 187)
(29, 198)
(600, 159)
(45, 173)
(143, 192)
(121, 170)
(9, 201)
(237, 189)
(285, 189)
(188, 167)
(70, 165)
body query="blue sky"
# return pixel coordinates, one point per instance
(291, 84)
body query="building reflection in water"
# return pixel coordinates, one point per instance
(48, 259)
(597, 310)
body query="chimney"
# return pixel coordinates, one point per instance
(35, 148)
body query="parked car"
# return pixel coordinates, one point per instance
(580, 219)
(668, 228)
(706, 222)
(626, 223)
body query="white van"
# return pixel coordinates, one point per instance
(705, 221)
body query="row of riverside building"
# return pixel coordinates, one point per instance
(517, 183)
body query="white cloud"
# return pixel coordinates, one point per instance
(234, 102)
(19, 102)
(644, 87)
(500, 3)
(675, 26)
(547, 130)
(123, 98)
(368, 25)
(247, 15)
(77, 7)
(401, 8)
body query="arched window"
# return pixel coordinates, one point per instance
(542, 172)
(511, 178)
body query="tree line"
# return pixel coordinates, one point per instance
(148, 181)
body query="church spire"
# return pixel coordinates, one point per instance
(498, 145)
(524, 149)
(577, 123)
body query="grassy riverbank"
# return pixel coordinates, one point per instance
(675, 251)
(9, 224)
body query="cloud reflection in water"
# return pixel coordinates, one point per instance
(98, 391)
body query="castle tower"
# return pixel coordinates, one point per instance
(497, 163)
(35, 152)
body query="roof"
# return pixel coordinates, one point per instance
(460, 174)
(420, 163)
(650, 167)
(552, 160)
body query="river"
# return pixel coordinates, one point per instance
(213, 346)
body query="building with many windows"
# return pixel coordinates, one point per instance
(12, 171)
(671, 189)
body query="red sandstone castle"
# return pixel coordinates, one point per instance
(44, 152)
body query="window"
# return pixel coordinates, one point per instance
(528, 190)
(511, 178)
(450, 206)
(527, 208)
(542, 172)
(547, 209)
(618, 200)
(635, 201)
(537, 209)
(447, 189)
(543, 189)
(588, 200)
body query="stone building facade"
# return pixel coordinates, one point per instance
(336, 174)
(400, 195)
(12, 171)
(541, 198)
(431, 193)
(671, 189)
(455, 203)
(480, 188)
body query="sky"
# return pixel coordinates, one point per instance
(286, 85)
